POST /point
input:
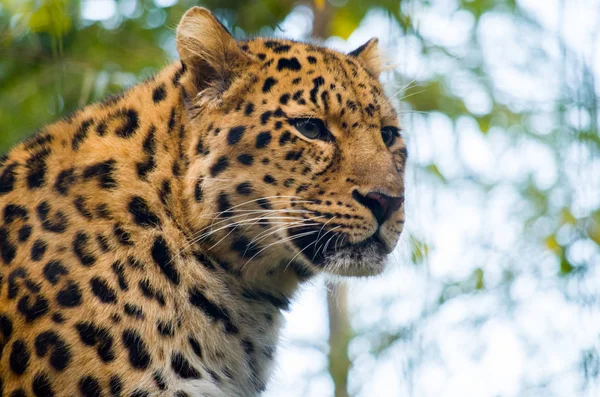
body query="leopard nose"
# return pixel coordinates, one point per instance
(381, 205)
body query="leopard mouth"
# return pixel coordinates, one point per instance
(363, 258)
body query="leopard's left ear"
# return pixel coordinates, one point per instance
(368, 54)
(209, 50)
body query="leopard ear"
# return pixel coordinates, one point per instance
(368, 54)
(209, 50)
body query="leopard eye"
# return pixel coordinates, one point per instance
(311, 128)
(389, 135)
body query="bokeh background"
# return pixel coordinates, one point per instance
(494, 289)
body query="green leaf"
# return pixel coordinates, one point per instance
(435, 171)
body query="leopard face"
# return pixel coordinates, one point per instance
(298, 151)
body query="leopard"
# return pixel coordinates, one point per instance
(151, 244)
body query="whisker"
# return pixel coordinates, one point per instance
(281, 242)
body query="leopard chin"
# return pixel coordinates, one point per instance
(363, 259)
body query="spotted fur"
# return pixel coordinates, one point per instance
(149, 243)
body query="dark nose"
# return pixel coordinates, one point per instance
(382, 206)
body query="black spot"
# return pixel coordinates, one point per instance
(81, 134)
(288, 182)
(119, 270)
(293, 155)
(8, 178)
(264, 118)
(99, 337)
(204, 260)
(285, 138)
(24, 233)
(165, 328)
(312, 60)
(163, 258)
(122, 235)
(159, 379)
(58, 318)
(139, 357)
(264, 204)
(248, 346)
(41, 385)
(270, 180)
(80, 248)
(249, 109)
(81, 207)
(198, 192)
(298, 97)
(115, 385)
(142, 215)
(244, 248)
(55, 224)
(181, 393)
(172, 121)
(317, 82)
(6, 328)
(219, 166)
(36, 169)
(165, 192)
(90, 387)
(244, 188)
(263, 139)
(103, 172)
(103, 211)
(281, 48)
(38, 250)
(133, 311)
(211, 310)
(288, 63)
(159, 93)
(149, 147)
(280, 302)
(130, 125)
(224, 205)
(269, 83)
(178, 74)
(103, 242)
(37, 141)
(135, 263)
(183, 368)
(32, 310)
(61, 353)
(53, 271)
(103, 291)
(149, 292)
(101, 128)
(13, 286)
(18, 393)
(19, 357)
(13, 212)
(195, 345)
(7, 249)
(69, 296)
(235, 134)
(284, 99)
(245, 159)
(139, 393)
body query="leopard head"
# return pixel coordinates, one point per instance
(297, 155)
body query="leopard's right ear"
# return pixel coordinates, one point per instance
(209, 50)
